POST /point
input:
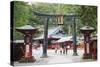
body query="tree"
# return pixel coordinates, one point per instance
(23, 14)
(20, 16)
(88, 15)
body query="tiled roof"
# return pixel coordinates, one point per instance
(52, 32)
(26, 27)
(18, 41)
(87, 28)
(64, 39)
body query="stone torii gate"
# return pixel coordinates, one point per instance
(60, 22)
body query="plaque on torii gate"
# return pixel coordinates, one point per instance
(28, 31)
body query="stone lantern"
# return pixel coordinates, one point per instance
(28, 31)
(86, 31)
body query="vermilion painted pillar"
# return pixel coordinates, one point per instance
(28, 45)
(87, 44)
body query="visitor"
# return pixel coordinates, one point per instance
(67, 47)
(55, 49)
(64, 49)
(61, 50)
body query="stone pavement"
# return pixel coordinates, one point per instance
(54, 58)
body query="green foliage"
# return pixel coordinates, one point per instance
(23, 14)
(89, 15)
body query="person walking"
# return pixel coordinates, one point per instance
(64, 50)
(67, 47)
(56, 50)
(61, 50)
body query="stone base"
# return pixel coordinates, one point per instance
(44, 57)
(94, 57)
(75, 54)
(27, 60)
(87, 56)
